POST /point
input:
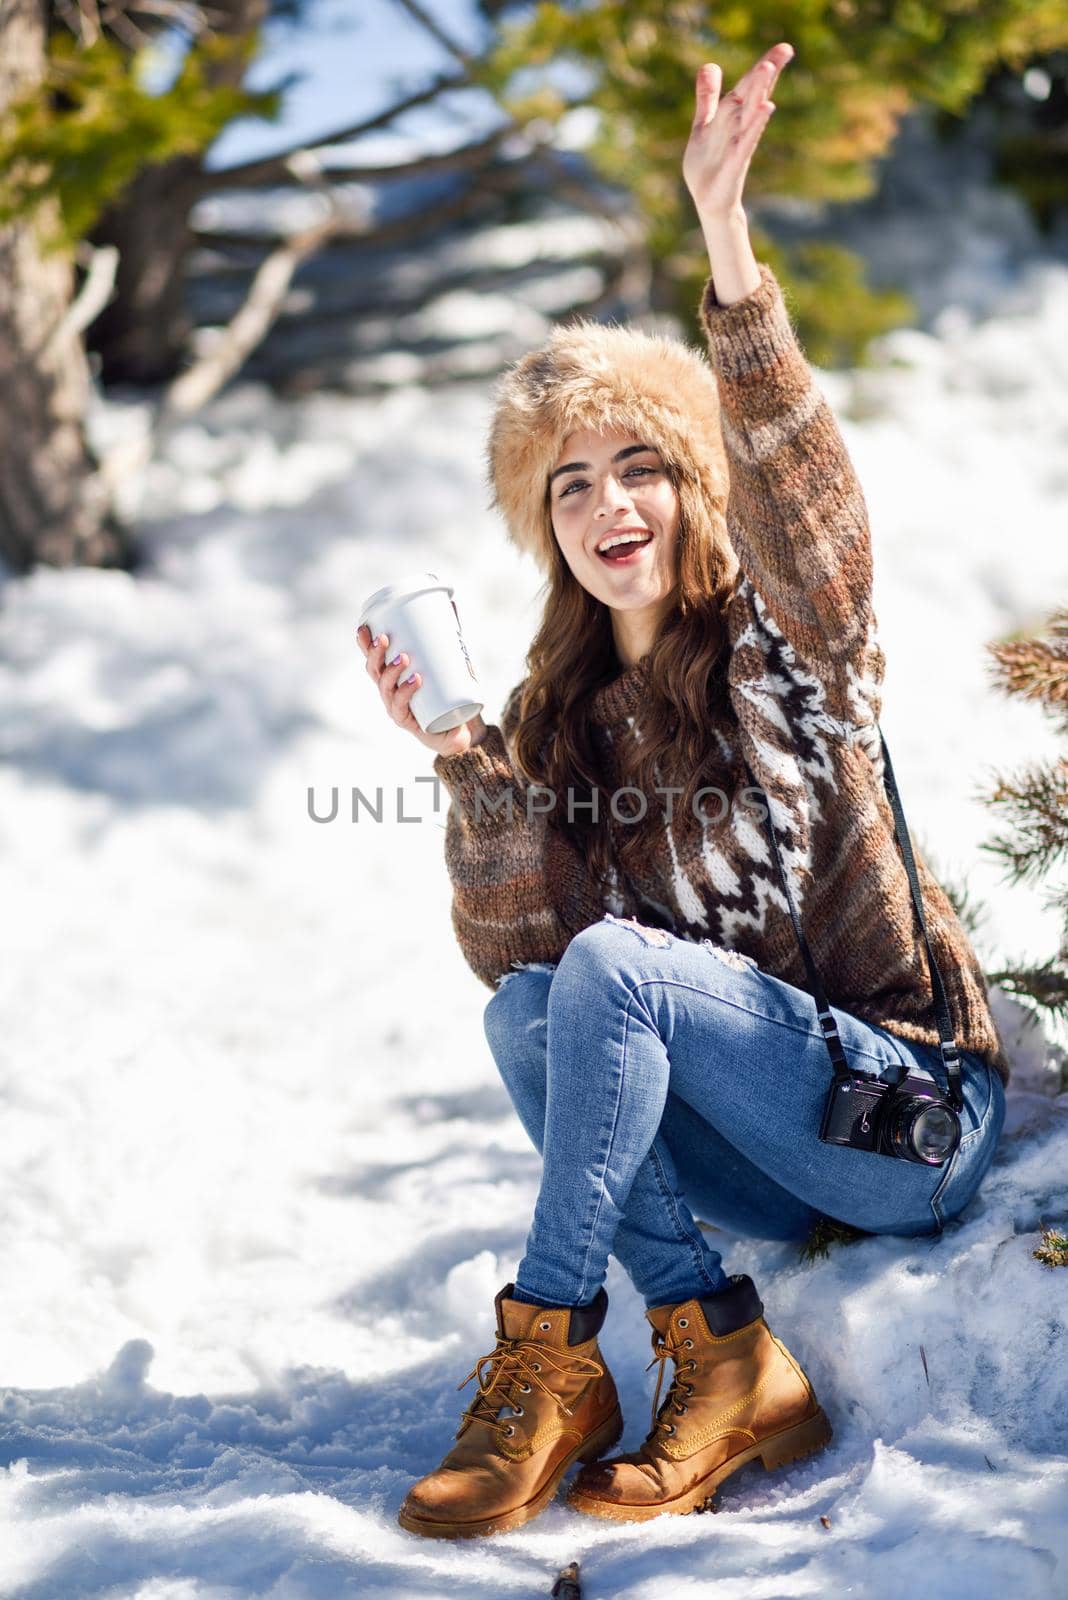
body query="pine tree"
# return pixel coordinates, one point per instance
(52, 507)
(1033, 807)
(77, 127)
(857, 72)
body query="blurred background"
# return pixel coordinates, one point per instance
(260, 262)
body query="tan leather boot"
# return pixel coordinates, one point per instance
(545, 1399)
(737, 1394)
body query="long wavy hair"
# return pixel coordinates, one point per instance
(573, 654)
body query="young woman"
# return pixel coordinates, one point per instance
(617, 889)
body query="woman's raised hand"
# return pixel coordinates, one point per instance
(726, 131)
(396, 697)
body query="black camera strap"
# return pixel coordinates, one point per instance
(950, 1052)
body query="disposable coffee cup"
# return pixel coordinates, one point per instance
(418, 615)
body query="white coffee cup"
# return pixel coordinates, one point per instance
(418, 615)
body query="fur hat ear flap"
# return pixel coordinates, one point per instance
(608, 378)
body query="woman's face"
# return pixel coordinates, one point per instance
(604, 485)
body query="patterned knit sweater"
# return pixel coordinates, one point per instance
(804, 694)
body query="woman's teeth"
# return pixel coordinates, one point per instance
(628, 550)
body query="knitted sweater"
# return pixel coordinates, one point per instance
(804, 693)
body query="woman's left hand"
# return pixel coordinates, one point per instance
(726, 132)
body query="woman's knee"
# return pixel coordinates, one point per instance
(515, 1016)
(604, 946)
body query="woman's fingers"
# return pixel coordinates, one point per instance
(375, 658)
(709, 83)
(727, 129)
(770, 66)
(400, 709)
(373, 651)
(759, 81)
(763, 73)
(385, 673)
(397, 695)
(389, 682)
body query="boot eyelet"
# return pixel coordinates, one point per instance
(535, 1366)
(545, 1327)
(509, 1430)
(683, 1322)
(670, 1428)
(687, 1344)
(524, 1388)
(517, 1411)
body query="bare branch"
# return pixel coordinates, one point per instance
(248, 327)
(499, 180)
(436, 31)
(90, 22)
(128, 33)
(464, 157)
(566, 180)
(91, 299)
(272, 169)
(268, 289)
(183, 14)
(245, 330)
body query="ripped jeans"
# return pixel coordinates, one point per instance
(659, 1077)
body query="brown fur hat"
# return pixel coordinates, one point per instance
(605, 377)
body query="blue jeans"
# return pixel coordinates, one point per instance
(659, 1076)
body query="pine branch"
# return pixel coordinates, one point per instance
(1053, 1251)
(1044, 985)
(1036, 668)
(825, 1232)
(1035, 807)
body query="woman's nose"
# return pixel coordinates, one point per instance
(612, 499)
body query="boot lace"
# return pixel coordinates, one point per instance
(680, 1390)
(514, 1368)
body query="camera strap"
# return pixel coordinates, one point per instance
(950, 1052)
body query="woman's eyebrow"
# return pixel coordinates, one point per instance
(584, 466)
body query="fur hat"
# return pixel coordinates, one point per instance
(606, 377)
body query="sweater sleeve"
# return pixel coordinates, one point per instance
(795, 513)
(520, 890)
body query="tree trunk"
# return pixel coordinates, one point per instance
(141, 336)
(53, 507)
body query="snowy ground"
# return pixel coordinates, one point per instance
(260, 1181)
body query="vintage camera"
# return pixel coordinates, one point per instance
(911, 1119)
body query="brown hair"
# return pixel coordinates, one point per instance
(663, 392)
(573, 654)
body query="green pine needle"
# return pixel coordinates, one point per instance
(825, 1232)
(1053, 1251)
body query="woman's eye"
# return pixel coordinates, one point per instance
(580, 483)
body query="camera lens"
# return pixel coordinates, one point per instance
(924, 1130)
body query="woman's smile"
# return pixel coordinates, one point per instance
(623, 546)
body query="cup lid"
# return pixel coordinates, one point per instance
(410, 583)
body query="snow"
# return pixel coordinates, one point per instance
(261, 1181)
